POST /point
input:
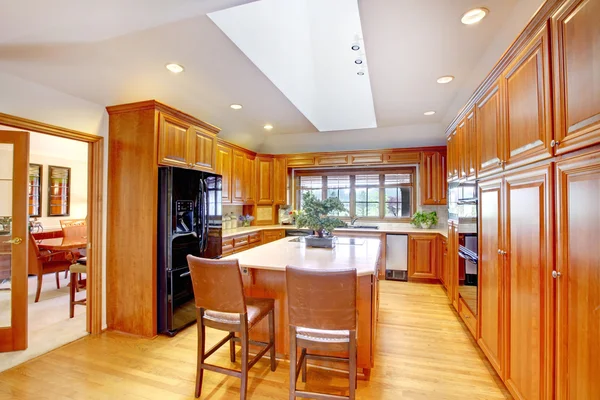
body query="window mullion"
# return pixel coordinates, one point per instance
(352, 196)
(381, 196)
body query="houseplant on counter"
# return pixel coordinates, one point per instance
(424, 220)
(246, 219)
(316, 215)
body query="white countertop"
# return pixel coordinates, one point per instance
(278, 254)
(383, 228)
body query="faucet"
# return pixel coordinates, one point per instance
(353, 220)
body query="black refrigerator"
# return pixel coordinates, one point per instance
(189, 222)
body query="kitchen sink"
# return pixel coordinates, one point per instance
(361, 227)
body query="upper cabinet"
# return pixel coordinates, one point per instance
(249, 179)
(576, 52)
(489, 128)
(265, 182)
(470, 145)
(224, 168)
(452, 144)
(527, 136)
(280, 180)
(459, 151)
(433, 182)
(202, 148)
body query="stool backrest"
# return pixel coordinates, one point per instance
(321, 299)
(217, 285)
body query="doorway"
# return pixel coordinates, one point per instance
(58, 206)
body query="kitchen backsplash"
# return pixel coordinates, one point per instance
(442, 213)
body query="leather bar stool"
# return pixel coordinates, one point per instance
(221, 304)
(322, 316)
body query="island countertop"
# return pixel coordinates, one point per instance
(360, 253)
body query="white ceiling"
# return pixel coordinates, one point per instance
(114, 51)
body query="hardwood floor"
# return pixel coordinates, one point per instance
(423, 352)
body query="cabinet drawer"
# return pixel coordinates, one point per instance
(254, 237)
(240, 241)
(227, 246)
(241, 248)
(468, 317)
(271, 236)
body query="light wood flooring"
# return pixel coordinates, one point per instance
(423, 352)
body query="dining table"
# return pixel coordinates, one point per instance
(63, 243)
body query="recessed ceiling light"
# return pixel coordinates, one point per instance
(474, 16)
(445, 79)
(236, 106)
(429, 113)
(355, 46)
(360, 72)
(268, 127)
(358, 61)
(174, 68)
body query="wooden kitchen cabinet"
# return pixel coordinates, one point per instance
(273, 235)
(527, 136)
(433, 178)
(461, 156)
(490, 119)
(224, 168)
(452, 162)
(452, 274)
(576, 34)
(265, 184)
(491, 280)
(238, 178)
(470, 145)
(578, 277)
(182, 144)
(422, 257)
(280, 180)
(527, 262)
(249, 183)
(443, 272)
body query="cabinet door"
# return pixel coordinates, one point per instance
(265, 184)
(578, 285)
(249, 180)
(202, 149)
(528, 133)
(471, 146)
(576, 53)
(443, 273)
(529, 243)
(422, 252)
(429, 185)
(489, 131)
(223, 168)
(442, 184)
(449, 158)
(453, 273)
(280, 184)
(173, 137)
(238, 177)
(461, 156)
(453, 156)
(490, 269)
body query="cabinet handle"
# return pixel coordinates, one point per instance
(501, 252)
(556, 274)
(554, 143)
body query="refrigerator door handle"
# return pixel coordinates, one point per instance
(206, 211)
(203, 208)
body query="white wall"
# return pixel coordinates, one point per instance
(43, 104)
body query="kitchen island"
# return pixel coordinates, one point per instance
(263, 273)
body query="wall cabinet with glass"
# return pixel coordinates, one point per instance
(34, 195)
(59, 191)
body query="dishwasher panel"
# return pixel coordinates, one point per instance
(396, 258)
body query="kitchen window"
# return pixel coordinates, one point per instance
(384, 194)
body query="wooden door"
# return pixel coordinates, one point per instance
(280, 181)
(249, 180)
(422, 252)
(529, 312)
(14, 171)
(489, 132)
(576, 34)
(528, 133)
(490, 294)
(223, 168)
(265, 182)
(202, 149)
(442, 184)
(173, 141)
(471, 146)
(429, 181)
(578, 278)
(238, 177)
(461, 156)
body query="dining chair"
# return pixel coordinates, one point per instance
(322, 317)
(222, 305)
(80, 267)
(46, 262)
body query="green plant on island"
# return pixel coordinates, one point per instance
(424, 219)
(317, 214)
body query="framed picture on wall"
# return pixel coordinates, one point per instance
(59, 191)
(34, 197)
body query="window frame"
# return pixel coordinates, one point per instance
(352, 172)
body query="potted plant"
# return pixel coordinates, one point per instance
(424, 220)
(246, 219)
(316, 215)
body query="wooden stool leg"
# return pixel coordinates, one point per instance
(201, 345)
(304, 365)
(272, 339)
(244, 340)
(72, 295)
(293, 357)
(352, 364)
(232, 347)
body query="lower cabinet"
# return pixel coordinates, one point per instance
(242, 242)
(273, 235)
(443, 262)
(422, 263)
